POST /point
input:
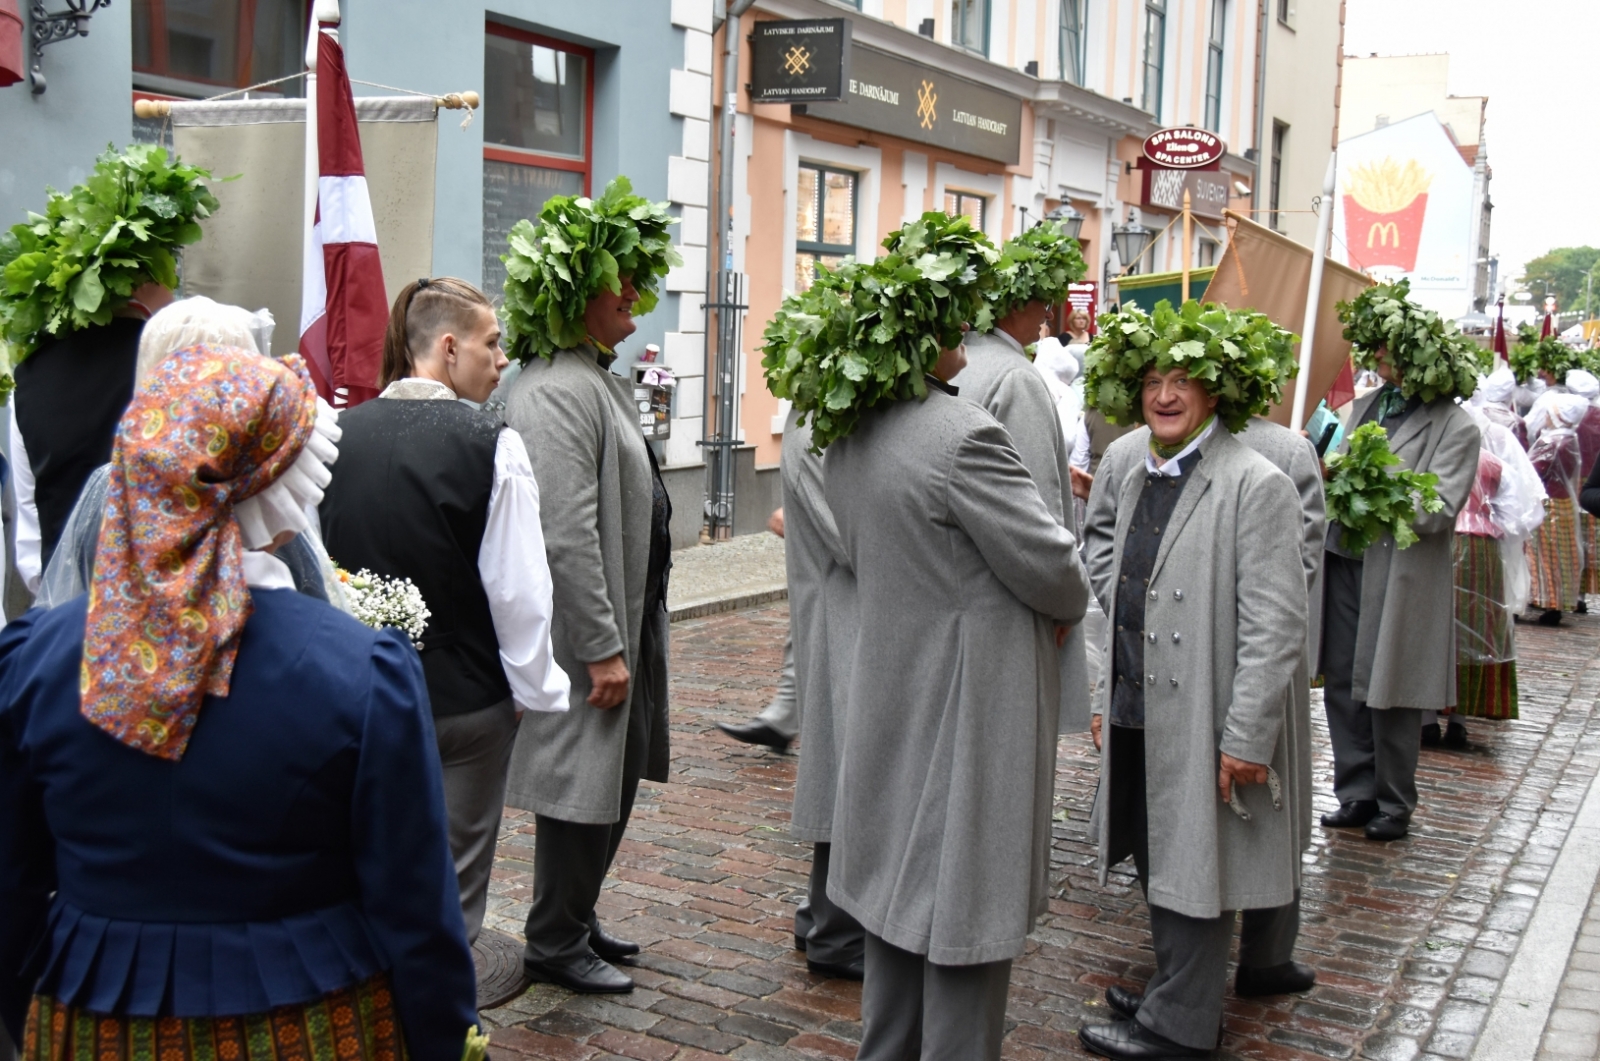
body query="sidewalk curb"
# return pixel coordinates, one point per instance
(731, 603)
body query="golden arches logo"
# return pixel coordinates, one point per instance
(797, 60)
(926, 98)
(1383, 231)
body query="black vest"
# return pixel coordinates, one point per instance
(409, 499)
(71, 392)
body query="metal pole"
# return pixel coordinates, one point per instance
(1314, 295)
(1188, 236)
(1261, 109)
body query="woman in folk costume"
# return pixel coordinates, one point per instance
(1495, 399)
(163, 891)
(1505, 506)
(1587, 387)
(1556, 552)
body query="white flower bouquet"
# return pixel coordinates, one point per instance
(379, 602)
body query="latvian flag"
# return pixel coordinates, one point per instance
(343, 307)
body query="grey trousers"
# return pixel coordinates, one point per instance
(475, 753)
(1375, 752)
(832, 936)
(783, 714)
(571, 860)
(914, 1010)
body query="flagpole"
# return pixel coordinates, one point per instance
(1188, 243)
(1314, 296)
(323, 11)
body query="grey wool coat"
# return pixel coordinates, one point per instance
(595, 491)
(1295, 456)
(1405, 641)
(822, 622)
(1002, 380)
(1227, 619)
(942, 814)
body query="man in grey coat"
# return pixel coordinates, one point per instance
(947, 770)
(1205, 587)
(605, 518)
(1388, 628)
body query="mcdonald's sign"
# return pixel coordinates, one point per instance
(1383, 232)
(1388, 239)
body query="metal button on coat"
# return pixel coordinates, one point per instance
(1152, 637)
(1177, 594)
(1151, 678)
(1176, 637)
(1152, 594)
(1174, 682)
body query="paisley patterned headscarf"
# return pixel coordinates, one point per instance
(208, 428)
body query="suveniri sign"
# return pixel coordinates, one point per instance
(888, 94)
(1164, 188)
(801, 61)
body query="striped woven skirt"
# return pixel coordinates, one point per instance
(353, 1024)
(1554, 559)
(1486, 663)
(1591, 552)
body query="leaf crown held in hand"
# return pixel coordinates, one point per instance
(1368, 499)
(1433, 359)
(79, 262)
(1530, 355)
(867, 333)
(1036, 266)
(1239, 356)
(580, 246)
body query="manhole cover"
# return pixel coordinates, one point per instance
(499, 961)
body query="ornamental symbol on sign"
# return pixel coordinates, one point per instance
(796, 60)
(926, 98)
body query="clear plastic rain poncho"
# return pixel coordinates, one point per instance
(1556, 553)
(1506, 506)
(1494, 398)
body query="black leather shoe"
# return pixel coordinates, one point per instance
(1290, 978)
(1430, 735)
(1550, 617)
(608, 946)
(1455, 736)
(1130, 1040)
(1352, 815)
(1124, 1001)
(1387, 827)
(799, 942)
(1581, 608)
(587, 975)
(757, 732)
(838, 971)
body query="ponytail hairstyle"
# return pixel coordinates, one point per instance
(424, 310)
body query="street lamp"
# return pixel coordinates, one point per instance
(1130, 240)
(1070, 220)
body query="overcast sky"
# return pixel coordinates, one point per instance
(1535, 62)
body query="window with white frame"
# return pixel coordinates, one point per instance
(1219, 25)
(972, 205)
(1280, 141)
(825, 220)
(1072, 55)
(1155, 52)
(969, 25)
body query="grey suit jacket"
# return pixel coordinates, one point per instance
(942, 816)
(595, 488)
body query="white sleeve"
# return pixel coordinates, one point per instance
(1081, 453)
(29, 544)
(516, 578)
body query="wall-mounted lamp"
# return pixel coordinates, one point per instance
(60, 26)
(1071, 221)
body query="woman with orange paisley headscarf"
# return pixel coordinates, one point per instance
(221, 825)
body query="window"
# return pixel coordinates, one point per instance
(1155, 50)
(1072, 41)
(537, 121)
(974, 206)
(1219, 24)
(969, 25)
(825, 221)
(1280, 136)
(1207, 253)
(1286, 13)
(218, 42)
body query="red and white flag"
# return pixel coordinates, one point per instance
(343, 306)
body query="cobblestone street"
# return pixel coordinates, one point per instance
(1410, 940)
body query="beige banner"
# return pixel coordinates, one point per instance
(251, 253)
(1270, 273)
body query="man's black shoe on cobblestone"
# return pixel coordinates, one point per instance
(839, 970)
(586, 974)
(1132, 1041)
(1122, 1000)
(1386, 827)
(756, 732)
(1352, 815)
(609, 947)
(1287, 979)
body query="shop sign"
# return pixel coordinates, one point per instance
(799, 61)
(1164, 188)
(888, 94)
(1185, 147)
(1084, 295)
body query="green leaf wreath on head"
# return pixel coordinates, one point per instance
(579, 246)
(1368, 499)
(867, 333)
(1238, 355)
(79, 262)
(1036, 266)
(1434, 360)
(1531, 354)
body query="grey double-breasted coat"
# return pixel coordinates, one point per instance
(947, 775)
(1226, 619)
(1405, 641)
(581, 429)
(822, 622)
(1001, 379)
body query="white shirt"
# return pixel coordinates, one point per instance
(512, 564)
(265, 571)
(30, 544)
(1170, 469)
